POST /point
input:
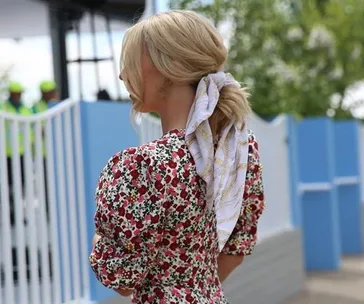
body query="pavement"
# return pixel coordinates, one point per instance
(342, 287)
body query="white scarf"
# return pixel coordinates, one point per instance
(224, 171)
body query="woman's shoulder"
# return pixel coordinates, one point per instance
(150, 154)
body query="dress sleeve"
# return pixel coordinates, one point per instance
(128, 216)
(244, 236)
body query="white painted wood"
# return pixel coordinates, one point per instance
(346, 180)
(273, 149)
(314, 187)
(5, 231)
(33, 232)
(81, 202)
(19, 215)
(72, 207)
(30, 215)
(42, 222)
(62, 205)
(54, 221)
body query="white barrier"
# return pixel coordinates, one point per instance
(273, 148)
(48, 238)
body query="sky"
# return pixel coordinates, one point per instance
(29, 61)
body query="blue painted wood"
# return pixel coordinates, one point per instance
(347, 164)
(320, 231)
(350, 219)
(316, 159)
(347, 148)
(320, 220)
(106, 129)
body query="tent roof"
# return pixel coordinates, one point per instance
(21, 18)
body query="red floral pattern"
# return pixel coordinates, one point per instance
(157, 235)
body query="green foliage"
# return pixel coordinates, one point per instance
(293, 55)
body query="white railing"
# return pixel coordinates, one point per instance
(43, 239)
(273, 148)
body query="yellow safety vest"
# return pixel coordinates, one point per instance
(40, 106)
(21, 110)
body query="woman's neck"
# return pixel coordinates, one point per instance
(176, 107)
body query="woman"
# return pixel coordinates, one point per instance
(176, 216)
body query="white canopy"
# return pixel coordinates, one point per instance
(21, 18)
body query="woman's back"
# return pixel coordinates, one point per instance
(160, 238)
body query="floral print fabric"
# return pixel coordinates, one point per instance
(158, 237)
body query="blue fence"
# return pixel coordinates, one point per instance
(347, 181)
(326, 185)
(106, 130)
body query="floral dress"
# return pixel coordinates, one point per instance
(158, 237)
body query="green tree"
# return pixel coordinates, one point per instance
(295, 56)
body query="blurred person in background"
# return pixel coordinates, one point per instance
(103, 95)
(14, 105)
(48, 90)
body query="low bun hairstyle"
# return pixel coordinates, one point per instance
(184, 47)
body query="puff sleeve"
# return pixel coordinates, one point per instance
(244, 236)
(128, 216)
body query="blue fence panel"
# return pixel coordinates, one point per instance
(320, 222)
(106, 129)
(347, 180)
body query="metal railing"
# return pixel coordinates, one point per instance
(43, 239)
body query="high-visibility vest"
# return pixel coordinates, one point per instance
(40, 106)
(21, 110)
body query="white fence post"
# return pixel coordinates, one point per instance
(52, 200)
(5, 231)
(273, 149)
(19, 239)
(66, 265)
(32, 243)
(54, 219)
(71, 203)
(42, 216)
(81, 198)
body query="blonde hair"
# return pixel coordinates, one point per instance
(184, 47)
